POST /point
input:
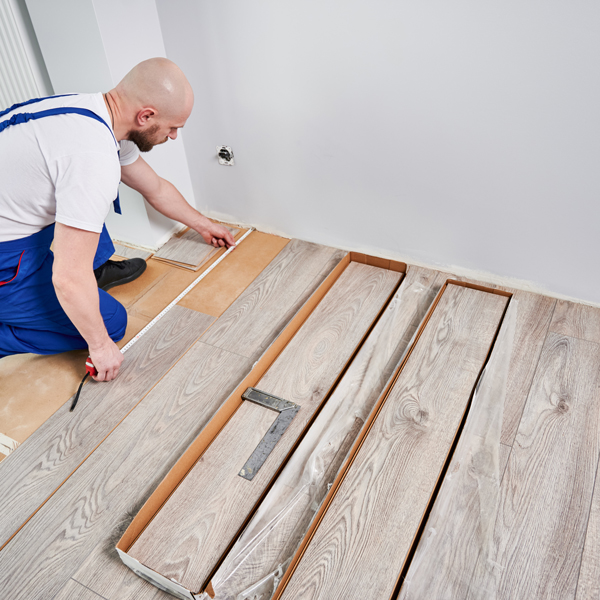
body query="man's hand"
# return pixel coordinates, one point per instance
(214, 234)
(107, 359)
(166, 199)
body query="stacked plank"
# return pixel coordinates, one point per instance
(282, 520)
(189, 535)
(189, 250)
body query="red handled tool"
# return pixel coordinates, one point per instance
(90, 369)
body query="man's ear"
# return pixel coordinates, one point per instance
(144, 116)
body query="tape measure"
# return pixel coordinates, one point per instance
(91, 369)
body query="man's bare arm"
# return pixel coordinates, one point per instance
(166, 199)
(77, 291)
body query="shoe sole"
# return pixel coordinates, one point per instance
(129, 279)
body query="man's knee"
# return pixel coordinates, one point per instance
(115, 317)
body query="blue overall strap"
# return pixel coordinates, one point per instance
(32, 101)
(19, 118)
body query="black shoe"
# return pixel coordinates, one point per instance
(118, 272)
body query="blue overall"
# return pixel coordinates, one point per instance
(31, 317)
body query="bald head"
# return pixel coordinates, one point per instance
(150, 103)
(160, 84)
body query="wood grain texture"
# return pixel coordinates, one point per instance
(534, 313)
(101, 496)
(187, 537)
(576, 320)
(281, 521)
(54, 450)
(362, 542)
(127, 252)
(250, 325)
(547, 488)
(462, 518)
(588, 585)
(189, 250)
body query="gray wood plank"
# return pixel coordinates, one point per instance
(127, 252)
(546, 492)
(93, 505)
(588, 584)
(362, 542)
(187, 537)
(534, 314)
(41, 464)
(273, 298)
(462, 517)
(576, 320)
(274, 533)
(190, 249)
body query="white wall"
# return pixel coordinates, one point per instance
(449, 133)
(88, 45)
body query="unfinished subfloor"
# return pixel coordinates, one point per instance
(73, 485)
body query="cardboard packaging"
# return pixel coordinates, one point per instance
(220, 419)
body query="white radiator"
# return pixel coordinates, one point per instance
(17, 81)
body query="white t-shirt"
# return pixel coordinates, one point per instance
(62, 168)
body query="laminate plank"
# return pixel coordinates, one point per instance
(281, 521)
(189, 250)
(546, 492)
(363, 540)
(90, 508)
(588, 584)
(576, 320)
(273, 298)
(462, 518)
(534, 314)
(127, 252)
(187, 537)
(58, 447)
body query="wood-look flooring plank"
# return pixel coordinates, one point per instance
(189, 250)
(546, 492)
(362, 542)
(273, 298)
(187, 537)
(462, 517)
(576, 320)
(273, 534)
(89, 509)
(54, 450)
(588, 584)
(534, 313)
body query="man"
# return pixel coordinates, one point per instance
(61, 169)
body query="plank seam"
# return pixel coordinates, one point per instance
(88, 588)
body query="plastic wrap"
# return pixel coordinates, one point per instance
(461, 523)
(257, 561)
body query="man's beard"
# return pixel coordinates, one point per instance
(144, 139)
